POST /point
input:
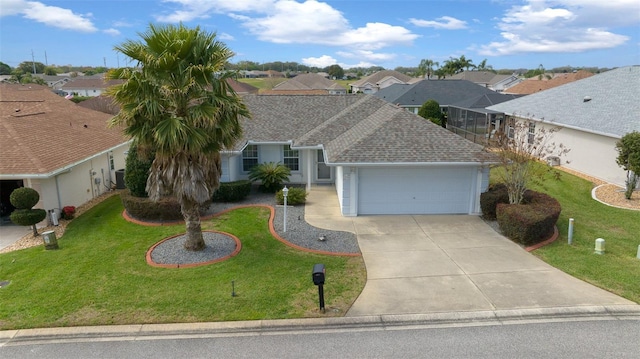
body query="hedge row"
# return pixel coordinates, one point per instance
(529, 223)
(232, 191)
(142, 208)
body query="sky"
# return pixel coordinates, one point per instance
(509, 34)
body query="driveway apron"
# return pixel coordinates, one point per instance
(443, 263)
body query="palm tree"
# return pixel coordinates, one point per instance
(426, 67)
(177, 103)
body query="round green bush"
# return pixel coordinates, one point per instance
(295, 196)
(232, 191)
(144, 209)
(24, 198)
(27, 217)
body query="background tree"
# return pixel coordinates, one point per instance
(431, 111)
(335, 71)
(465, 63)
(426, 67)
(629, 158)
(28, 66)
(24, 199)
(178, 103)
(482, 66)
(520, 153)
(5, 69)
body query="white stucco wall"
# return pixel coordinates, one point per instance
(591, 154)
(269, 153)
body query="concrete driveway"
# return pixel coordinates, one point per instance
(448, 263)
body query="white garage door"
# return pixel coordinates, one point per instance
(433, 190)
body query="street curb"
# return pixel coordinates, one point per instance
(149, 331)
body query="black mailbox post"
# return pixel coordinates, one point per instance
(318, 279)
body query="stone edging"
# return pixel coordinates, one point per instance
(272, 215)
(152, 263)
(551, 239)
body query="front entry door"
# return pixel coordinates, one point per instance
(323, 171)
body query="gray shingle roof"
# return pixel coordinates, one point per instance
(445, 92)
(356, 129)
(613, 108)
(378, 76)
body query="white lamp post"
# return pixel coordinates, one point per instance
(285, 192)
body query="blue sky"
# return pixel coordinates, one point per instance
(508, 33)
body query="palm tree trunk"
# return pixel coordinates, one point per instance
(191, 214)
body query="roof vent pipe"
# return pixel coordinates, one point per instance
(586, 99)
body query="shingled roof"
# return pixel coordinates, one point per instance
(445, 92)
(358, 129)
(42, 133)
(534, 85)
(605, 104)
(378, 76)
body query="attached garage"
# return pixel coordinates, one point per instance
(416, 190)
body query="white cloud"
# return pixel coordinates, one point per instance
(562, 26)
(322, 61)
(289, 22)
(367, 55)
(444, 22)
(112, 31)
(326, 60)
(225, 37)
(49, 15)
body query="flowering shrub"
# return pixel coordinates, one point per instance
(68, 212)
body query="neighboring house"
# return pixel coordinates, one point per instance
(63, 151)
(102, 103)
(306, 84)
(445, 92)
(88, 87)
(534, 84)
(55, 82)
(488, 79)
(380, 80)
(470, 118)
(593, 114)
(381, 158)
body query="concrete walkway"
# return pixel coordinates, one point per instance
(419, 264)
(10, 233)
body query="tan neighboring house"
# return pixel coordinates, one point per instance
(307, 84)
(379, 80)
(63, 151)
(88, 87)
(534, 84)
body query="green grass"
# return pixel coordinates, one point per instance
(618, 270)
(100, 276)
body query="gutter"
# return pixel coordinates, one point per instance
(412, 164)
(61, 170)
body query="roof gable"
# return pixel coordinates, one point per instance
(375, 78)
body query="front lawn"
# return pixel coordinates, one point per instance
(618, 270)
(99, 276)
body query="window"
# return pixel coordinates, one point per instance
(532, 133)
(511, 128)
(291, 158)
(112, 165)
(249, 157)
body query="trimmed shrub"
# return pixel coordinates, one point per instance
(295, 196)
(144, 209)
(490, 199)
(529, 223)
(232, 191)
(24, 198)
(28, 217)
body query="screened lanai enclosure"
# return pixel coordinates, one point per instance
(477, 125)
